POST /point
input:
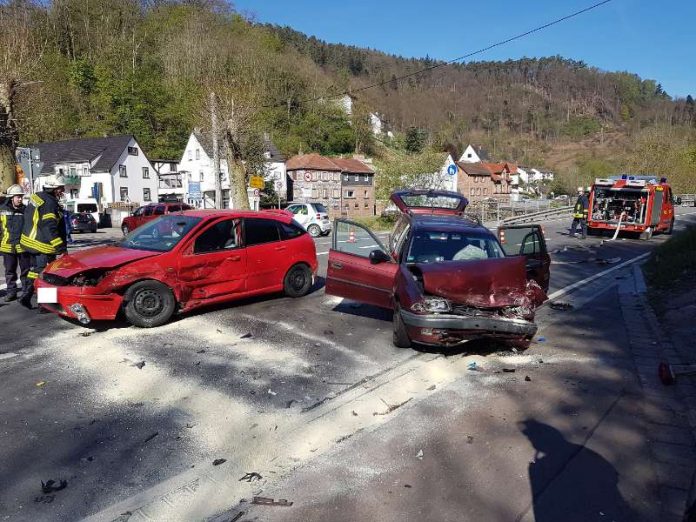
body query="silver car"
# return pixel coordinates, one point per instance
(313, 217)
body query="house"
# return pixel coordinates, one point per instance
(115, 165)
(196, 167)
(171, 187)
(479, 181)
(344, 186)
(474, 154)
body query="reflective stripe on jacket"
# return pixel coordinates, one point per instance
(11, 221)
(43, 231)
(581, 207)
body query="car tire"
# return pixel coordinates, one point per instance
(314, 230)
(149, 303)
(400, 336)
(298, 281)
(125, 230)
(671, 228)
(328, 232)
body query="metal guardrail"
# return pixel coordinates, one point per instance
(538, 216)
(687, 200)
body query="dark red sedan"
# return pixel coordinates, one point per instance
(180, 262)
(447, 278)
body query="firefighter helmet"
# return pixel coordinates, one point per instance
(54, 181)
(14, 190)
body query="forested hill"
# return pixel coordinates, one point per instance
(79, 68)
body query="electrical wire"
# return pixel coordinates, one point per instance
(453, 60)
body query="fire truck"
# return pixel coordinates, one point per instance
(627, 203)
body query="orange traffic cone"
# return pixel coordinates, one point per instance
(351, 236)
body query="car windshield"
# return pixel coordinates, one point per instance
(437, 247)
(160, 235)
(320, 207)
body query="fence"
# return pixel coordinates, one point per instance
(493, 211)
(687, 200)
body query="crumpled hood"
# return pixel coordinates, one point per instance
(97, 257)
(485, 283)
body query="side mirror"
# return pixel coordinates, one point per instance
(678, 201)
(377, 256)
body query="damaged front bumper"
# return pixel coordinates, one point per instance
(83, 303)
(451, 329)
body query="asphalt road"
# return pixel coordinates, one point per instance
(266, 383)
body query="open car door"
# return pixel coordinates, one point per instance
(359, 266)
(528, 241)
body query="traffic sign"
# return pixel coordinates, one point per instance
(256, 182)
(256, 193)
(452, 169)
(195, 190)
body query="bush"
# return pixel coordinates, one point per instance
(673, 263)
(377, 223)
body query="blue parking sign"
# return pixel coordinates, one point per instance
(452, 169)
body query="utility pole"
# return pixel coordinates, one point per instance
(216, 151)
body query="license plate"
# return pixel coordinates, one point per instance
(47, 296)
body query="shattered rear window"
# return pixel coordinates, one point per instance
(425, 200)
(160, 235)
(437, 247)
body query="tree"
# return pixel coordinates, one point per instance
(415, 139)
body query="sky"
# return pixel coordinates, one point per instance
(656, 40)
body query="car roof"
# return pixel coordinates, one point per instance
(278, 215)
(445, 223)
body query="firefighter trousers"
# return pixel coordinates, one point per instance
(12, 262)
(583, 226)
(38, 263)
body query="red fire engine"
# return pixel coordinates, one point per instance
(628, 203)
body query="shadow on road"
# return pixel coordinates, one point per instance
(571, 482)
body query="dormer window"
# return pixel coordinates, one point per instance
(133, 151)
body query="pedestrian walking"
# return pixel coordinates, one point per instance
(43, 233)
(580, 212)
(67, 222)
(14, 258)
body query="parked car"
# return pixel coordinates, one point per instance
(447, 278)
(83, 222)
(149, 212)
(80, 206)
(180, 262)
(312, 216)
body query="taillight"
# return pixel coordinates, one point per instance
(318, 216)
(502, 236)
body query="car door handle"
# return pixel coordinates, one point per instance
(234, 258)
(280, 248)
(337, 266)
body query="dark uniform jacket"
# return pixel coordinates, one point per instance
(11, 220)
(43, 231)
(580, 210)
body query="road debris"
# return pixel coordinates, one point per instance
(271, 392)
(200, 351)
(541, 339)
(472, 366)
(391, 407)
(246, 336)
(354, 413)
(431, 388)
(469, 439)
(139, 365)
(265, 501)
(509, 370)
(237, 516)
(408, 486)
(151, 437)
(251, 477)
(561, 306)
(328, 332)
(217, 462)
(608, 261)
(85, 334)
(40, 384)
(45, 499)
(50, 486)
(419, 455)
(290, 403)
(527, 378)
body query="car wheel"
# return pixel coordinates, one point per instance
(125, 230)
(520, 344)
(671, 228)
(314, 230)
(149, 304)
(326, 233)
(297, 281)
(400, 336)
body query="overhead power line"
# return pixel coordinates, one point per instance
(457, 59)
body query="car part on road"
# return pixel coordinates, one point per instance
(49, 486)
(668, 373)
(561, 306)
(217, 462)
(250, 477)
(265, 501)
(391, 407)
(149, 303)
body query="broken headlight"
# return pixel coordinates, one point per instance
(432, 305)
(88, 278)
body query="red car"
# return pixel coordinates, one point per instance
(149, 212)
(181, 262)
(447, 278)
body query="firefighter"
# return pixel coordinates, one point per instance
(580, 212)
(43, 234)
(11, 220)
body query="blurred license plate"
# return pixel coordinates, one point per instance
(47, 295)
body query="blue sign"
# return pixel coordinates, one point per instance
(452, 169)
(195, 190)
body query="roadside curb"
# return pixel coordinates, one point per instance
(668, 410)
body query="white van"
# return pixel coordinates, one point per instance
(77, 206)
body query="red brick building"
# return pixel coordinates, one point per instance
(344, 185)
(483, 180)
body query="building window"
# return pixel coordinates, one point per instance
(315, 176)
(336, 176)
(325, 193)
(133, 151)
(485, 191)
(478, 191)
(200, 176)
(366, 194)
(146, 172)
(357, 178)
(367, 204)
(357, 205)
(346, 177)
(124, 193)
(468, 155)
(350, 194)
(472, 191)
(336, 193)
(190, 155)
(315, 193)
(122, 172)
(198, 154)
(146, 194)
(367, 178)
(325, 176)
